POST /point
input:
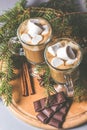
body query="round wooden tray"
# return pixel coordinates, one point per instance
(24, 109)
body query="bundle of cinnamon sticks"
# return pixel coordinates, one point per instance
(26, 84)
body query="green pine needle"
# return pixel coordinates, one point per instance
(6, 91)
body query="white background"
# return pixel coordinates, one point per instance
(8, 121)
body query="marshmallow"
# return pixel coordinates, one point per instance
(53, 49)
(65, 53)
(25, 38)
(35, 40)
(56, 62)
(46, 29)
(33, 29)
(70, 61)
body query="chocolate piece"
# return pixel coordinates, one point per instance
(63, 110)
(71, 52)
(52, 100)
(43, 102)
(66, 107)
(60, 98)
(54, 107)
(59, 116)
(57, 107)
(48, 112)
(55, 123)
(42, 117)
(37, 106)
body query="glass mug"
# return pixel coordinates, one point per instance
(34, 53)
(65, 74)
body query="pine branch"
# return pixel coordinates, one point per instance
(64, 5)
(6, 91)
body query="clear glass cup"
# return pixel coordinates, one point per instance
(34, 53)
(64, 76)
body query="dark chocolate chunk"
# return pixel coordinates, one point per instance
(57, 107)
(60, 98)
(55, 123)
(59, 116)
(43, 102)
(42, 117)
(48, 112)
(37, 106)
(63, 110)
(71, 52)
(52, 100)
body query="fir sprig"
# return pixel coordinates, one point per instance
(64, 5)
(6, 91)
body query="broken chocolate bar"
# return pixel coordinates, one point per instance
(45, 115)
(59, 117)
(52, 101)
(55, 113)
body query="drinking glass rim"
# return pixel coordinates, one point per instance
(68, 68)
(48, 39)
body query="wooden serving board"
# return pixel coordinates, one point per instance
(24, 109)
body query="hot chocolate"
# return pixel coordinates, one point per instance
(62, 57)
(34, 33)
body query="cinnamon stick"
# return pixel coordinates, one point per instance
(25, 86)
(28, 80)
(26, 83)
(22, 85)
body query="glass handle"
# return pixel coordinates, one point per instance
(21, 52)
(69, 85)
(13, 42)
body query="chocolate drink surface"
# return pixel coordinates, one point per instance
(34, 33)
(63, 57)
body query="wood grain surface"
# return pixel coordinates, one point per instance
(23, 108)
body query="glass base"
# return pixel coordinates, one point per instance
(65, 89)
(33, 71)
(34, 68)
